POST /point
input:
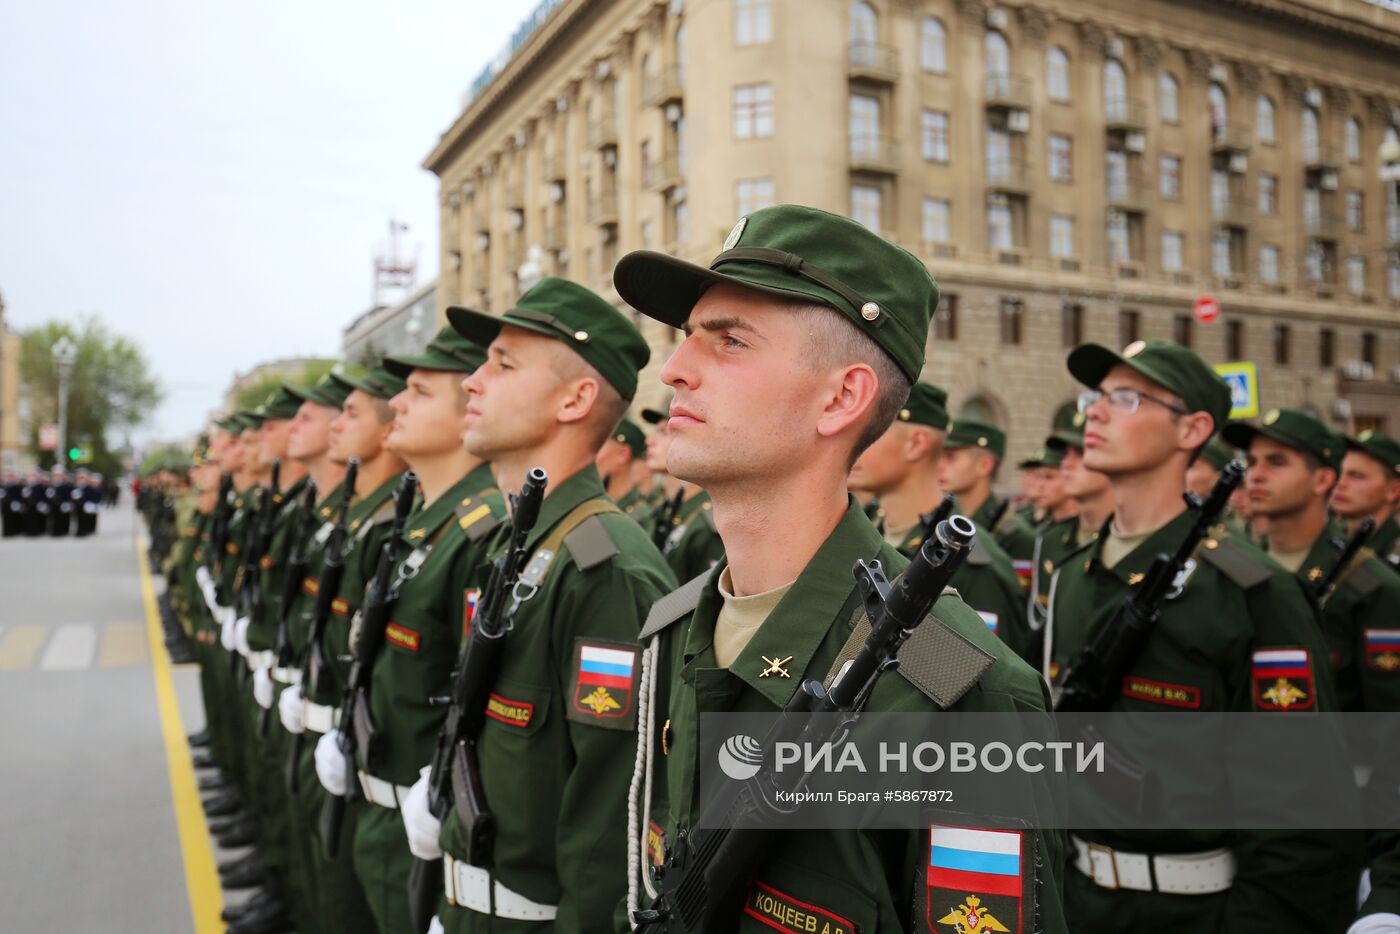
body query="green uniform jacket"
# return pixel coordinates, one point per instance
(262, 630)
(415, 663)
(1052, 544)
(1237, 603)
(1386, 542)
(874, 882)
(299, 615)
(560, 741)
(694, 546)
(1011, 531)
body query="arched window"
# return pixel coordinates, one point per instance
(933, 46)
(984, 409)
(1353, 139)
(1057, 74)
(1115, 89)
(1310, 134)
(998, 55)
(1264, 119)
(863, 23)
(1219, 109)
(1166, 98)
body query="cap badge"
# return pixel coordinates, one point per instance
(1135, 348)
(731, 241)
(1365, 435)
(581, 336)
(1271, 417)
(1078, 419)
(904, 415)
(982, 442)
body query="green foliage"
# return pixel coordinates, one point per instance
(111, 389)
(255, 394)
(164, 457)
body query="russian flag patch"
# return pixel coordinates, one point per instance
(977, 880)
(1383, 649)
(1283, 679)
(990, 619)
(604, 679)
(1025, 570)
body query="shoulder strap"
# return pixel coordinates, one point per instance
(675, 605)
(1362, 578)
(595, 552)
(476, 517)
(1236, 562)
(979, 554)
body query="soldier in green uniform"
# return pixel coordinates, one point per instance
(901, 467)
(444, 549)
(802, 341)
(1380, 913)
(1238, 634)
(971, 456)
(560, 738)
(621, 463)
(1370, 486)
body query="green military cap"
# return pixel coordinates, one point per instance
(1217, 453)
(449, 351)
(248, 418)
(282, 404)
(800, 254)
(1068, 418)
(1172, 366)
(1379, 445)
(378, 382)
(970, 434)
(1045, 457)
(586, 323)
(630, 434)
(228, 423)
(1070, 435)
(927, 405)
(327, 392)
(657, 414)
(1294, 428)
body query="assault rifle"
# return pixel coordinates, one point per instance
(250, 595)
(710, 865)
(1348, 549)
(218, 527)
(454, 773)
(930, 520)
(332, 568)
(374, 617)
(295, 572)
(666, 517)
(995, 518)
(1094, 677)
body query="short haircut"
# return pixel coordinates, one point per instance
(608, 408)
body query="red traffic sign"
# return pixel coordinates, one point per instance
(48, 437)
(1207, 309)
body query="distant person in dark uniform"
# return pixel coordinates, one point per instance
(63, 497)
(11, 504)
(36, 509)
(88, 504)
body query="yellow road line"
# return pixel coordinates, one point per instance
(123, 645)
(201, 876)
(19, 646)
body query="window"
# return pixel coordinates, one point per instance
(1268, 194)
(933, 46)
(1115, 89)
(863, 24)
(1061, 158)
(865, 206)
(1264, 120)
(945, 318)
(1071, 325)
(680, 222)
(1310, 135)
(753, 21)
(1312, 207)
(1353, 139)
(648, 234)
(1268, 263)
(752, 194)
(648, 169)
(1061, 236)
(1000, 235)
(1170, 174)
(1011, 315)
(1314, 260)
(1368, 347)
(1234, 340)
(1129, 327)
(1182, 329)
(1057, 74)
(1392, 278)
(1116, 172)
(1356, 210)
(1172, 249)
(998, 54)
(753, 111)
(1356, 274)
(1219, 109)
(937, 213)
(680, 53)
(1282, 338)
(1219, 191)
(1326, 347)
(934, 135)
(1119, 243)
(864, 126)
(1220, 265)
(998, 153)
(1166, 98)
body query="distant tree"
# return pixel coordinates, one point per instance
(256, 393)
(110, 392)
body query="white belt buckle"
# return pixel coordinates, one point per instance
(1102, 857)
(449, 879)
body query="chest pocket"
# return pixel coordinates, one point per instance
(798, 900)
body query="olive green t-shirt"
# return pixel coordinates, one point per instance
(740, 617)
(1117, 547)
(1293, 559)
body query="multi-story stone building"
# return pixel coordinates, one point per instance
(13, 455)
(1068, 169)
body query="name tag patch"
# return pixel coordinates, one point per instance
(1283, 679)
(509, 712)
(1162, 692)
(782, 912)
(604, 676)
(402, 637)
(340, 606)
(1383, 649)
(310, 585)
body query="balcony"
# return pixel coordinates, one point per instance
(556, 167)
(1229, 138)
(1326, 225)
(1010, 177)
(873, 154)
(666, 173)
(1132, 196)
(1007, 92)
(602, 132)
(602, 205)
(663, 88)
(1321, 157)
(1232, 213)
(869, 61)
(1125, 114)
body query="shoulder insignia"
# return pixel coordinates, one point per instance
(590, 544)
(1361, 576)
(1283, 679)
(979, 879)
(1246, 568)
(1383, 650)
(979, 556)
(675, 605)
(604, 676)
(476, 518)
(941, 662)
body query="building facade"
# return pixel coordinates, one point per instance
(1069, 170)
(13, 454)
(402, 328)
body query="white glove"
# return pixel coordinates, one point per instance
(291, 709)
(240, 636)
(206, 585)
(330, 763)
(1382, 923)
(262, 688)
(227, 622)
(435, 926)
(422, 827)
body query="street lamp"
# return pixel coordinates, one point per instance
(65, 352)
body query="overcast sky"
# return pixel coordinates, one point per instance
(212, 179)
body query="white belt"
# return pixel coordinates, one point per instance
(287, 676)
(258, 660)
(1175, 874)
(378, 791)
(318, 718)
(471, 887)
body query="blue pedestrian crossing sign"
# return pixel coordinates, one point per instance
(1243, 380)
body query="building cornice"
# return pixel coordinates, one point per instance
(1372, 23)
